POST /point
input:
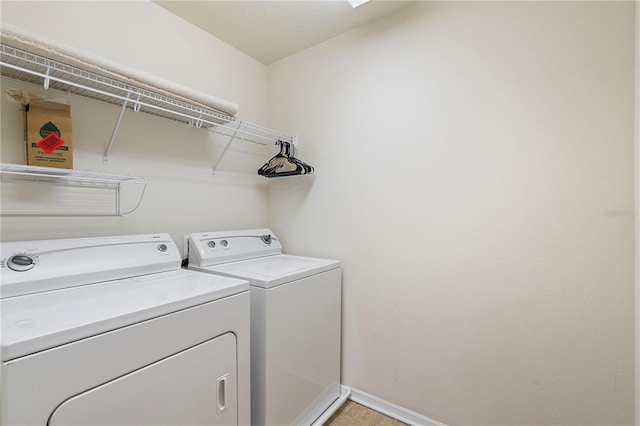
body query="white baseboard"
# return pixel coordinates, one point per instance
(392, 410)
(344, 395)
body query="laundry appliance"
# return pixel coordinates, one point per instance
(295, 322)
(112, 331)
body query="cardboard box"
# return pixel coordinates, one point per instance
(41, 119)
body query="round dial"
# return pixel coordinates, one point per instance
(211, 244)
(21, 262)
(266, 239)
(224, 243)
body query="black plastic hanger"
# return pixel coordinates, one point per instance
(284, 164)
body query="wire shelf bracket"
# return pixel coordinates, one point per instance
(105, 157)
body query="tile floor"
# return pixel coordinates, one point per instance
(354, 414)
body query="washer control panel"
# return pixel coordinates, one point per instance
(212, 248)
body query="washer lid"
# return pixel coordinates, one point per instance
(271, 271)
(36, 322)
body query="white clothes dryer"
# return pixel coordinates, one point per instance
(112, 331)
(295, 322)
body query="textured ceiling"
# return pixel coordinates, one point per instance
(272, 30)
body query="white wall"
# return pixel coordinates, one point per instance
(476, 176)
(182, 195)
(637, 213)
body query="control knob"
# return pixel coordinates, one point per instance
(21, 262)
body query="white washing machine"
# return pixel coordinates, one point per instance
(111, 331)
(295, 322)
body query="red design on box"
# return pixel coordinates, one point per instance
(50, 143)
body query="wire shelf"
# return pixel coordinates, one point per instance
(74, 178)
(32, 68)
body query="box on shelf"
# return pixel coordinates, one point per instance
(42, 118)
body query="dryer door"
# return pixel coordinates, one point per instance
(194, 387)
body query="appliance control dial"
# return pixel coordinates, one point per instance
(21, 262)
(266, 239)
(162, 247)
(224, 243)
(211, 244)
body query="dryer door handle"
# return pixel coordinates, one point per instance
(221, 394)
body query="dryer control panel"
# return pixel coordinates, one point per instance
(35, 266)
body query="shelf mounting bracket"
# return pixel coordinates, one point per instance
(224, 151)
(47, 80)
(105, 158)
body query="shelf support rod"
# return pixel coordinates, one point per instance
(105, 158)
(47, 80)
(224, 151)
